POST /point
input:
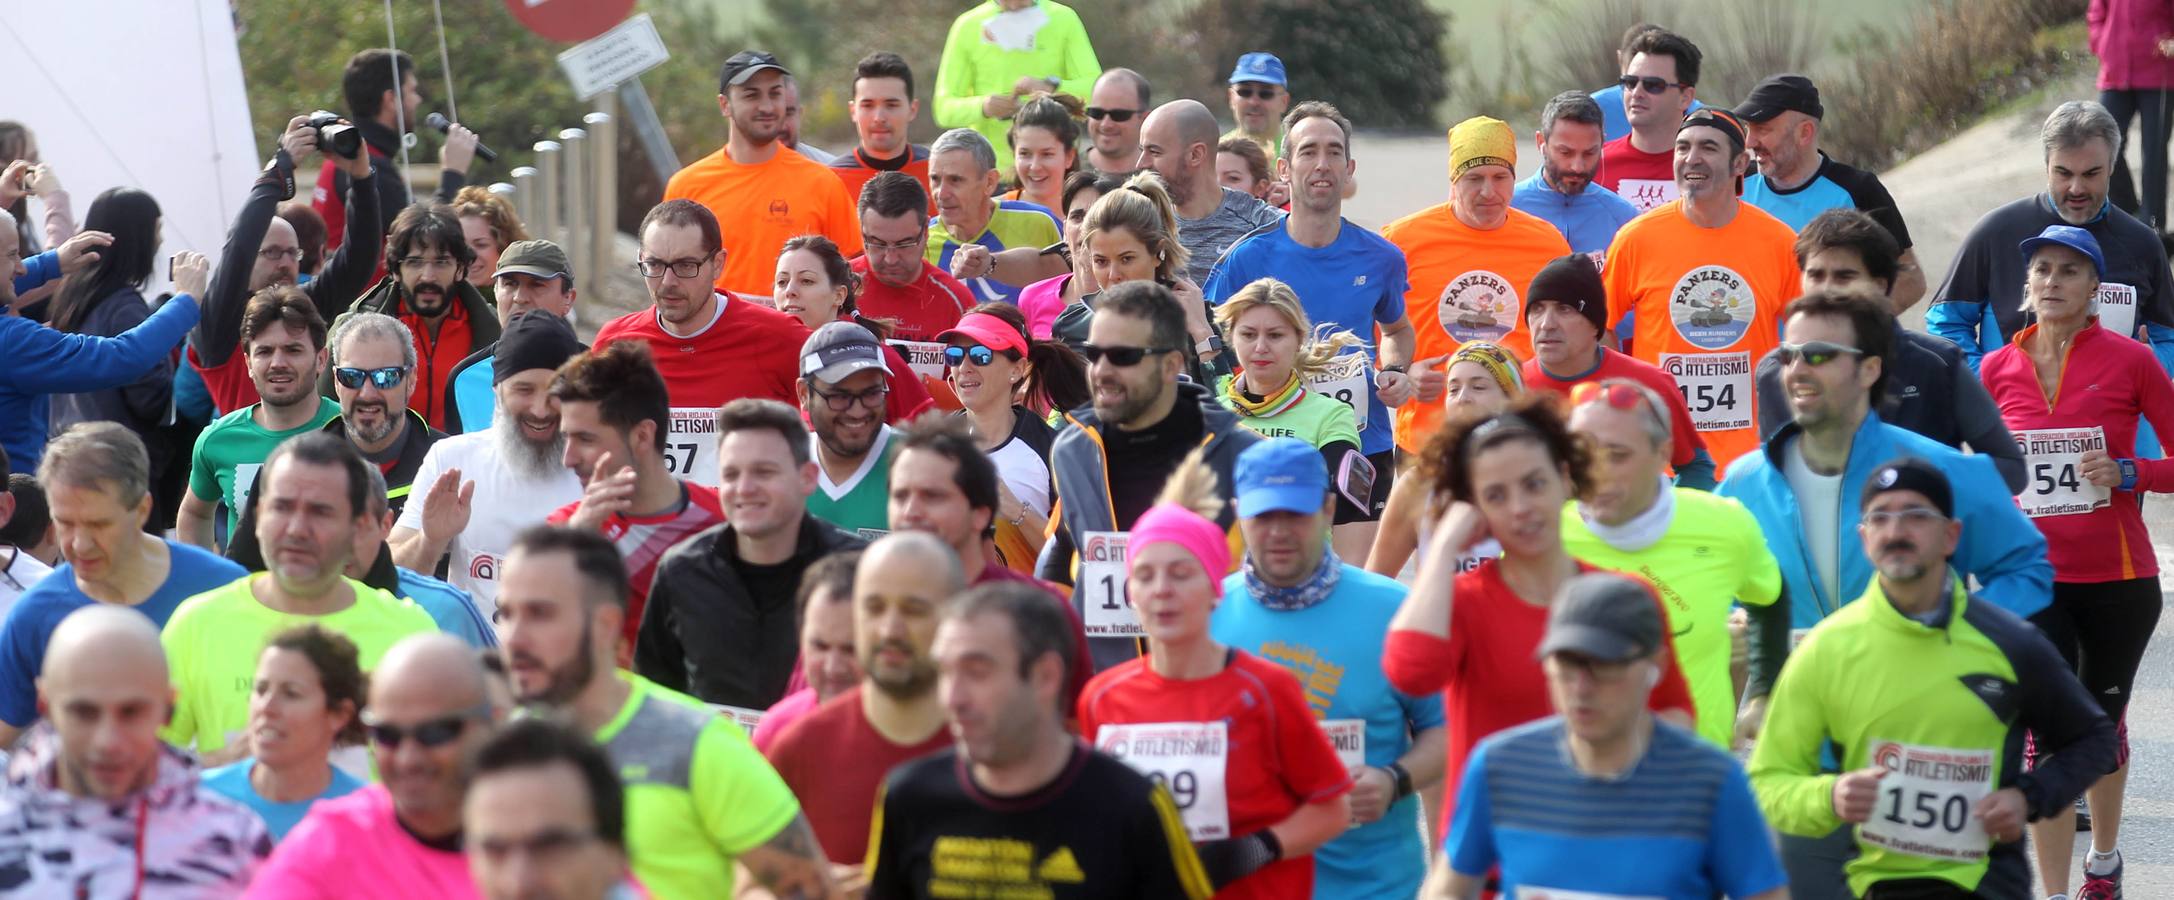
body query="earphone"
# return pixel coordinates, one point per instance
(1653, 675)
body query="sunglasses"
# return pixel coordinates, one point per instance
(1615, 394)
(957, 356)
(433, 733)
(1814, 353)
(1652, 84)
(1251, 93)
(1115, 115)
(1119, 356)
(386, 378)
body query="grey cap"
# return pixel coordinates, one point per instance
(1603, 615)
(837, 350)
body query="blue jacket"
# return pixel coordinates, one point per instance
(452, 608)
(1999, 545)
(36, 361)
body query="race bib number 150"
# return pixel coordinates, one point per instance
(1928, 799)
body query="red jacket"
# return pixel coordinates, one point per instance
(2125, 36)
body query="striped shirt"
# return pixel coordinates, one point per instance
(642, 540)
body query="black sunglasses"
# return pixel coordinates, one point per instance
(1119, 356)
(1261, 93)
(1814, 353)
(386, 378)
(1653, 84)
(433, 733)
(957, 356)
(1115, 115)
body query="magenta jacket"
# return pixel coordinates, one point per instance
(2125, 36)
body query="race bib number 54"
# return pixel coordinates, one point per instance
(1186, 757)
(2053, 459)
(1927, 799)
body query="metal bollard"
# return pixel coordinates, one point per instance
(524, 194)
(603, 190)
(548, 191)
(574, 184)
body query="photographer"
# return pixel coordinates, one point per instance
(369, 86)
(264, 250)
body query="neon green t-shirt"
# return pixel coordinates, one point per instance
(223, 467)
(1711, 555)
(1316, 418)
(214, 638)
(698, 794)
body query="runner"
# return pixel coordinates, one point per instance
(899, 285)
(1472, 258)
(992, 365)
(1484, 381)
(842, 384)
(1014, 786)
(1283, 355)
(1044, 141)
(963, 178)
(283, 339)
(884, 109)
(1924, 688)
(1659, 83)
(828, 661)
(1241, 164)
(1115, 111)
(2086, 496)
(538, 782)
(531, 274)
(1132, 234)
(1563, 192)
(998, 51)
(491, 226)
(305, 703)
(1178, 143)
(1703, 280)
(1658, 812)
(816, 285)
(24, 567)
(1610, 97)
(1232, 735)
(835, 757)
(1043, 300)
(1471, 635)
(1299, 605)
(757, 183)
(1701, 553)
(426, 289)
(1259, 95)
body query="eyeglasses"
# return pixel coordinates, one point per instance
(275, 254)
(914, 246)
(1616, 395)
(1814, 353)
(421, 263)
(684, 268)
(1119, 356)
(550, 843)
(386, 378)
(1602, 671)
(1652, 84)
(1259, 93)
(1115, 115)
(1909, 515)
(842, 401)
(957, 356)
(432, 733)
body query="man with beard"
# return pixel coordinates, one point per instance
(1115, 111)
(429, 712)
(1110, 466)
(721, 622)
(531, 275)
(699, 798)
(482, 488)
(883, 111)
(843, 381)
(1563, 192)
(265, 250)
(1178, 142)
(283, 342)
(613, 411)
(373, 372)
(755, 181)
(426, 288)
(836, 757)
(313, 495)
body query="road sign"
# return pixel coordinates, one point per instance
(569, 20)
(614, 57)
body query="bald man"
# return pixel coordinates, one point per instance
(99, 771)
(429, 711)
(836, 757)
(1178, 142)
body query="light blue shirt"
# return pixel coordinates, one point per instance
(1588, 220)
(232, 781)
(450, 607)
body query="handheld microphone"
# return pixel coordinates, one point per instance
(439, 122)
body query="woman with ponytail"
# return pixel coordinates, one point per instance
(816, 285)
(1045, 148)
(1279, 350)
(1131, 234)
(1006, 383)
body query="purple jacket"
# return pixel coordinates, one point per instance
(2125, 36)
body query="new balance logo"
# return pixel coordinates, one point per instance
(1360, 281)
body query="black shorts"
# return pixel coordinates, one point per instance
(1384, 480)
(2102, 629)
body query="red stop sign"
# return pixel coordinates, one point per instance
(569, 20)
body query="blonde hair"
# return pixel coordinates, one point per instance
(495, 211)
(1143, 207)
(1316, 346)
(1193, 485)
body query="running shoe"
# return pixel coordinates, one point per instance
(2102, 887)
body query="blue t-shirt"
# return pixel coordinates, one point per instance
(232, 781)
(1615, 122)
(1334, 647)
(1588, 220)
(475, 398)
(1683, 825)
(1354, 283)
(30, 622)
(1833, 186)
(1015, 223)
(450, 607)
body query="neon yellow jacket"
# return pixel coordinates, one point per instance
(973, 68)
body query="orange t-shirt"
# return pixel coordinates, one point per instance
(1708, 305)
(762, 206)
(1466, 285)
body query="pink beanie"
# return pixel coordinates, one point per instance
(1185, 528)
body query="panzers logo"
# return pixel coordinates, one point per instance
(1712, 306)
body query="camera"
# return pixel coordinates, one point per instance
(334, 135)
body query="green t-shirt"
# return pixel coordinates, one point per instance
(223, 467)
(698, 794)
(212, 643)
(1316, 418)
(1711, 555)
(862, 503)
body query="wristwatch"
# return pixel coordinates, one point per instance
(1209, 347)
(1402, 778)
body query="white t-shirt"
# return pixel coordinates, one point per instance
(505, 502)
(1023, 461)
(18, 575)
(1819, 506)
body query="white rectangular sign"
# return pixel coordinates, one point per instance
(609, 59)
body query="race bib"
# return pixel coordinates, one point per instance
(1186, 757)
(1715, 386)
(245, 481)
(925, 358)
(690, 450)
(2053, 461)
(1350, 381)
(2117, 308)
(746, 718)
(1646, 193)
(1102, 586)
(1926, 800)
(1349, 738)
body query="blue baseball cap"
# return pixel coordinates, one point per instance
(1262, 67)
(1281, 475)
(2071, 237)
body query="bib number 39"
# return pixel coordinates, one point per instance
(1188, 758)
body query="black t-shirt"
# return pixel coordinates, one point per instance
(1099, 830)
(774, 590)
(1990, 267)
(1140, 461)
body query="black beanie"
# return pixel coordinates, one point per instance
(1573, 281)
(1911, 474)
(535, 339)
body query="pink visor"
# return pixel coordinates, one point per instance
(989, 331)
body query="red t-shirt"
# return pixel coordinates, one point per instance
(920, 311)
(228, 382)
(642, 541)
(1651, 177)
(1618, 365)
(1486, 670)
(749, 351)
(835, 762)
(1275, 757)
